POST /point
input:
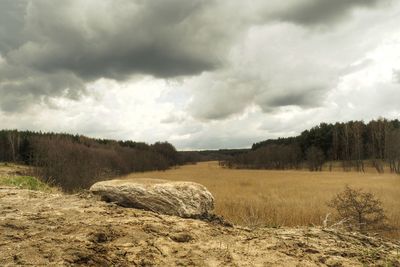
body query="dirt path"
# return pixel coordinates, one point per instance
(39, 228)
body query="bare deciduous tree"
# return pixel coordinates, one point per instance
(361, 210)
(357, 151)
(315, 158)
(393, 150)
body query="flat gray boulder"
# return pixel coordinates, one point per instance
(184, 199)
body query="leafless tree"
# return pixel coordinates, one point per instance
(393, 150)
(357, 151)
(315, 158)
(361, 210)
(378, 130)
(14, 140)
(346, 160)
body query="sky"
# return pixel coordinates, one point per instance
(200, 74)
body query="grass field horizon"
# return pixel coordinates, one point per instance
(282, 198)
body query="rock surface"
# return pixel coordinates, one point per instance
(43, 229)
(183, 199)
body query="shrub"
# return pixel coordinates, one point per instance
(359, 210)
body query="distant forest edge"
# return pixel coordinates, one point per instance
(351, 144)
(74, 161)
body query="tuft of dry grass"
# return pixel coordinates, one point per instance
(282, 198)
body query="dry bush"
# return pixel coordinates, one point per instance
(73, 166)
(75, 162)
(359, 210)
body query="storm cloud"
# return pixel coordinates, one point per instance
(52, 49)
(102, 39)
(44, 43)
(195, 66)
(323, 12)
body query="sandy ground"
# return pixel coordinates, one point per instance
(39, 228)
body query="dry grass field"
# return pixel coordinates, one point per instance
(282, 198)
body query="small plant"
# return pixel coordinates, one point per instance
(360, 210)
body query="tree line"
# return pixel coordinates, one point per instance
(221, 155)
(76, 161)
(351, 143)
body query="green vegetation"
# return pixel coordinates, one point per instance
(25, 182)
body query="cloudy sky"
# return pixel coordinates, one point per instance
(201, 74)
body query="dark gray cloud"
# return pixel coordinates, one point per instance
(12, 13)
(316, 12)
(30, 87)
(304, 98)
(52, 49)
(87, 40)
(114, 40)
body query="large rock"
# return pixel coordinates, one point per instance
(184, 199)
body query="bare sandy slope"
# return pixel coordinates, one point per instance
(55, 229)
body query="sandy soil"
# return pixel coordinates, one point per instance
(39, 228)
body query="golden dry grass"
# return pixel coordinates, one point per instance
(282, 198)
